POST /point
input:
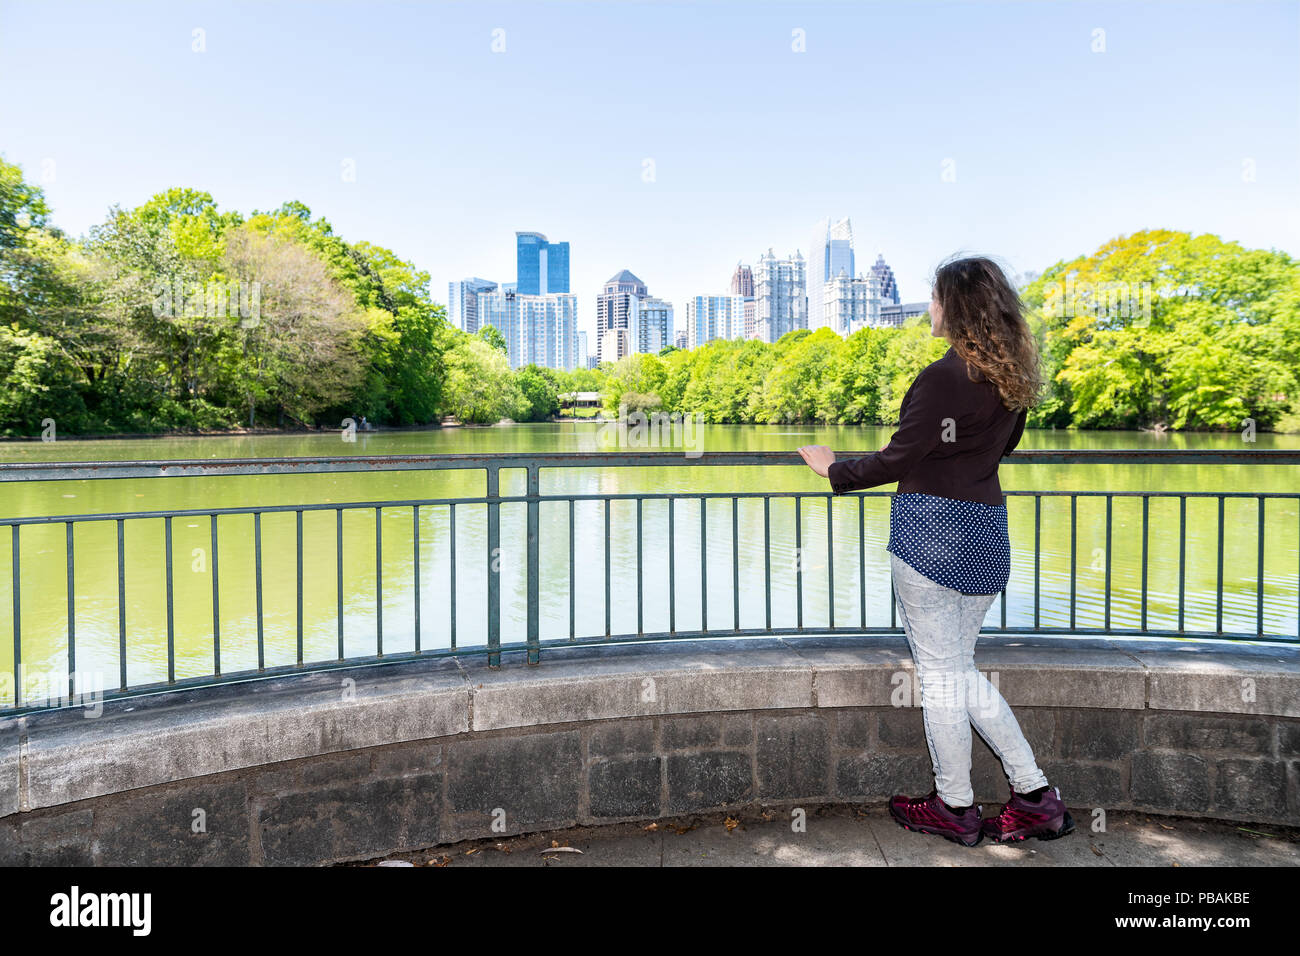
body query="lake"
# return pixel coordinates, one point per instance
(43, 556)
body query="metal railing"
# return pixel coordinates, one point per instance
(532, 643)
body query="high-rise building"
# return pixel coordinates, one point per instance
(462, 302)
(616, 308)
(581, 361)
(536, 314)
(542, 266)
(780, 293)
(742, 284)
(850, 303)
(538, 329)
(885, 276)
(711, 317)
(832, 253)
(613, 344)
(742, 281)
(654, 325)
(626, 305)
(681, 339)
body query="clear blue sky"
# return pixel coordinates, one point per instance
(1056, 148)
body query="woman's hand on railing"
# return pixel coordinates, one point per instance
(818, 457)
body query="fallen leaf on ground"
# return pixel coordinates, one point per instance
(730, 824)
(651, 826)
(561, 849)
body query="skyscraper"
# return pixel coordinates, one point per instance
(711, 317)
(850, 303)
(616, 308)
(832, 253)
(542, 267)
(654, 325)
(742, 284)
(538, 329)
(462, 302)
(742, 281)
(781, 301)
(885, 276)
(643, 323)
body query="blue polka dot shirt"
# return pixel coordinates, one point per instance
(960, 544)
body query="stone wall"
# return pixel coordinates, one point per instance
(310, 769)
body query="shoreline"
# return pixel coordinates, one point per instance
(11, 440)
(276, 432)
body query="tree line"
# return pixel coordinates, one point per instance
(176, 315)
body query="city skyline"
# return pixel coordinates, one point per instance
(629, 320)
(923, 147)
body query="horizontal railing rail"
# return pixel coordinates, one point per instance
(42, 587)
(200, 467)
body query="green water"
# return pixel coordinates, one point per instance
(44, 599)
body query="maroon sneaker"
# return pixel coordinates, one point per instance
(928, 814)
(1021, 819)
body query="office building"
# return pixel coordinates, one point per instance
(742, 281)
(894, 314)
(616, 309)
(850, 303)
(462, 302)
(885, 276)
(742, 284)
(710, 317)
(626, 306)
(653, 326)
(831, 255)
(780, 296)
(542, 267)
(538, 329)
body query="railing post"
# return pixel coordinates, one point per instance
(534, 571)
(18, 618)
(493, 552)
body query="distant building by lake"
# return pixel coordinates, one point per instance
(896, 315)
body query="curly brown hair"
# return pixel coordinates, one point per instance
(983, 319)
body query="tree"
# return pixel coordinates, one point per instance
(22, 206)
(480, 388)
(1168, 328)
(493, 337)
(303, 352)
(541, 393)
(638, 372)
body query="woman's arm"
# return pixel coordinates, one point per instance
(1016, 433)
(920, 428)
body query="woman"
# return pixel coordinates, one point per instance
(949, 548)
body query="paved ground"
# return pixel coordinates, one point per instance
(846, 835)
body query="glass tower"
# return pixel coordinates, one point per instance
(832, 254)
(542, 266)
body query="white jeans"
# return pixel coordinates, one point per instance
(942, 626)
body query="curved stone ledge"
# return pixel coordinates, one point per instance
(360, 762)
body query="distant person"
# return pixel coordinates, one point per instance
(950, 550)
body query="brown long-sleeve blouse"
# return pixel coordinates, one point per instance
(947, 519)
(952, 432)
